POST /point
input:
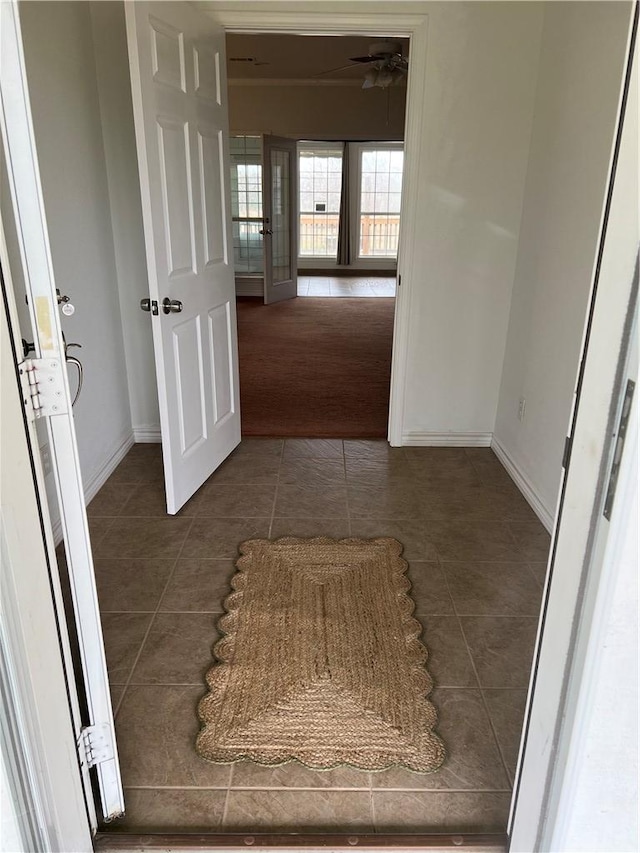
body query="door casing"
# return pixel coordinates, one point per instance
(413, 27)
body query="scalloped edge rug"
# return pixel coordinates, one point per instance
(321, 661)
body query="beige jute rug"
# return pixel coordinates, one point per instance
(320, 661)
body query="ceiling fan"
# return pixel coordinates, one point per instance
(388, 66)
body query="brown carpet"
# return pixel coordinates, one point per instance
(315, 367)
(321, 662)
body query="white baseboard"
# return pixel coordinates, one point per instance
(99, 478)
(524, 484)
(147, 434)
(447, 439)
(97, 481)
(246, 287)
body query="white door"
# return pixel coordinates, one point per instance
(178, 80)
(280, 189)
(46, 396)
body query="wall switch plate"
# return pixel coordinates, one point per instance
(521, 407)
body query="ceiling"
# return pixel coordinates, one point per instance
(279, 56)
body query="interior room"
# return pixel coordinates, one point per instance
(308, 101)
(509, 163)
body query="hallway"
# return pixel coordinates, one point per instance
(477, 557)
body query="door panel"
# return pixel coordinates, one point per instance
(94, 724)
(280, 191)
(180, 110)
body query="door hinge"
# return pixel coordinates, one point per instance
(95, 745)
(42, 382)
(623, 425)
(399, 280)
(568, 443)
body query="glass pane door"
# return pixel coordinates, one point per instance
(280, 231)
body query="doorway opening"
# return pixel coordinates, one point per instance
(317, 126)
(161, 583)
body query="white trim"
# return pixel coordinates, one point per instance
(446, 439)
(147, 434)
(390, 25)
(522, 481)
(245, 287)
(120, 450)
(386, 265)
(356, 150)
(574, 563)
(608, 639)
(31, 227)
(100, 477)
(304, 22)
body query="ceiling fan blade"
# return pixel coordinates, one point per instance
(372, 58)
(331, 70)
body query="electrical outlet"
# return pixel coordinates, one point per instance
(521, 407)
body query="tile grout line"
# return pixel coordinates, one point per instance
(480, 688)
(371, 805)
(500, 750)
(346, 489)
(275, 495)
(325, 790)
(153, 618)
(225, 808)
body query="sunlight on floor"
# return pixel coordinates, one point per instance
(347, 286)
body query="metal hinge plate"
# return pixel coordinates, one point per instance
(617, 453)
(42, 383)
(95, 744)
(568, 442)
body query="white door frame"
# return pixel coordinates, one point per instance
(389, 25)
(35, 256)
(577, 557)
(31, 634)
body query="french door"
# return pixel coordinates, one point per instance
(280, 193)
(46, 397)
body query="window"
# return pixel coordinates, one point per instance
(246, 203)
(320, 181)
(379, 201)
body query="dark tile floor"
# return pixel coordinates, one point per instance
(477, 557)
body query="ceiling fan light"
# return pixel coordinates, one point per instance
(384, 78)
(370, 78)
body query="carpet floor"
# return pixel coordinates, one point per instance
(318, 368)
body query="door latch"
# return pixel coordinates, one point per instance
(149, 305)
(623, 426)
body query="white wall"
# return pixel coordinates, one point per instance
(581, 61)
(317, 112)
(480, 84)
(62, 80)
(116, 110)
(479, 92)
